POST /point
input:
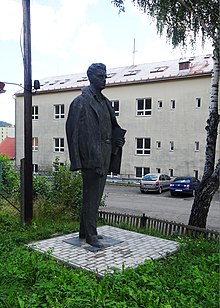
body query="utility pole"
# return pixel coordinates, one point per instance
(26, 162)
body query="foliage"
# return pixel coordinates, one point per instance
(181, 18)
(52, 195)
(67, 188)
(41, 187)
(186, 279)
(9, 177)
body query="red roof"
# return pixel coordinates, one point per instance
(7, 147)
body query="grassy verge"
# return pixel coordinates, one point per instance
(189, 278)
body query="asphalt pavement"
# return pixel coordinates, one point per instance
(128, 199)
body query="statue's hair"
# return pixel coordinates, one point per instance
(93, 68)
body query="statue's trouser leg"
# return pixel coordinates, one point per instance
(93, 187)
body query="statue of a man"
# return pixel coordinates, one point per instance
(95, 142)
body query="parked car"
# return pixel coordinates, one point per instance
(184, 185)
(155, 182)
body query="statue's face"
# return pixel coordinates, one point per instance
(98, 79)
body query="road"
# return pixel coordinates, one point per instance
(129, 199)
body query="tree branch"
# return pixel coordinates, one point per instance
(194, 10)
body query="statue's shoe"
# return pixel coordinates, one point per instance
(100, 237)
(95, 243)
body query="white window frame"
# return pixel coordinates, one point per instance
(158, 145)
(144, 111)
(143, 150)
(171, 172)
(35, 168)
(35, 112)
(172, 104)
(143, 171)
(56, 166)
(197, 146)
(58, 112)
(198, 102)
(196, 173)
(172, 146)
(159, 104)
(35, 144)
(59, 145)
(114, 102)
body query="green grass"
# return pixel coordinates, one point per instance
(188, 279)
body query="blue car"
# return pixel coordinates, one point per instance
(184, 185)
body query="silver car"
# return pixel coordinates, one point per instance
(155, 182)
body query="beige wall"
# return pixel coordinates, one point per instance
(6, 131)
(184, 125)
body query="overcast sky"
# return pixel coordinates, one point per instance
(67, 36)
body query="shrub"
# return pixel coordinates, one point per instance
(9, 177)
(66, 188)
(41, 187)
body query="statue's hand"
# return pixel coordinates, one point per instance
(120, 142)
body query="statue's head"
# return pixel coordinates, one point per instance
(97, 75)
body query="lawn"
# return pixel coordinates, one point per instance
(189, 278)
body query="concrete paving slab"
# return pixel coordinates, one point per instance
(122, 249)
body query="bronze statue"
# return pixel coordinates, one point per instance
(95, 142)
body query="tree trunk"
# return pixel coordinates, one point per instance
(210, 180)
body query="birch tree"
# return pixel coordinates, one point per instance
(184, 22)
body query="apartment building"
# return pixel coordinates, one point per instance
(7, 132)
(163, 106)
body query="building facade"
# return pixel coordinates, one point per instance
(163, 106)
(7, 132)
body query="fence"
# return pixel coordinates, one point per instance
(162, 226)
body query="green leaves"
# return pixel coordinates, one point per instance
(28, 278)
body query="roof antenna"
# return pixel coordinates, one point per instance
(134, 51)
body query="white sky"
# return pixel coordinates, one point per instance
(67, 36)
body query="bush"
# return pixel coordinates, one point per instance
(41, 187)
(9, 177)
(66, 189)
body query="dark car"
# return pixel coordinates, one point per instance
(155, 182)
(184, 185)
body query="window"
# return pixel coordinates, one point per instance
(158, 145)
(131, 72)
(141, 171)
(143, 146)
(58, 111)
(115, 105)
(171, 146)
(159, 104)
(110, 75)
(59, 144)
(35, 144)
(35, 168)
(143, 107)
(159, 69)
(34, 112)
(198, 102)
(196, 174)
(171, 172)
(184, 65)
(196, 146)
(173, 104)
(84, 78)
(56, 165)
(158, 170)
